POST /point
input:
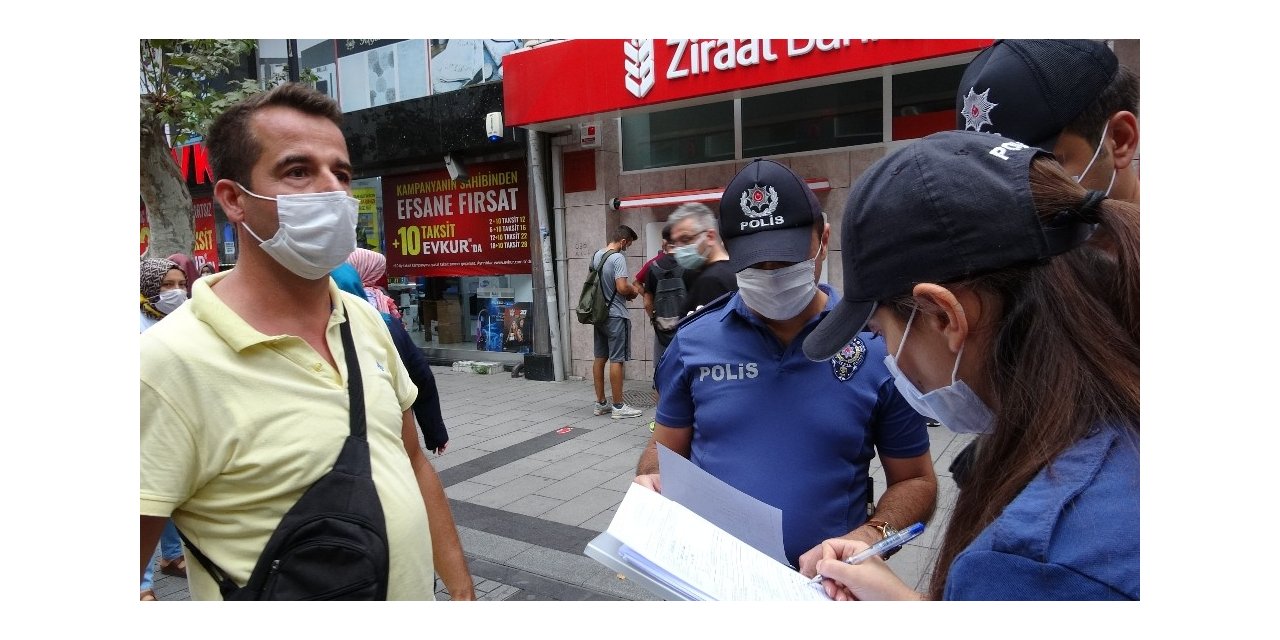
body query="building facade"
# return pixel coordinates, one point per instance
(638, 126)
(589, 134)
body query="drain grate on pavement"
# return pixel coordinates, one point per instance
(640, 398)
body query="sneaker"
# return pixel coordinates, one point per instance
(601, 408)
(625, 411)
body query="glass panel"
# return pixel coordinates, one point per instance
(681, 136)
(839, 115)
(461, 63)
(924, 102)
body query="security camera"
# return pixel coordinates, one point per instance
(457, 170)
(493, 126)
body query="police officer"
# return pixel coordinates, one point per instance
(740, 399)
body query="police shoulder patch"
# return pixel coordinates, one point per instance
(847, 362)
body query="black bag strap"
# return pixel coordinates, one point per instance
(356, 421)
(600, 279)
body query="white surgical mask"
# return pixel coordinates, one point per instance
(956, 406)
(169, 300)
(317, 231)
(1095, 158)
(778, 294)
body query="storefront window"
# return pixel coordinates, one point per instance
(681, 136)
(826, 117)
(369, 214)
(838, 115)
(924, 102)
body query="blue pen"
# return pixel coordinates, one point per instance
(884, 546)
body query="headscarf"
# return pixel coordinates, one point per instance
(372, 267)
(348, 279)
(188, 268)
(151, 276)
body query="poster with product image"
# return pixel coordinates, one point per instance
(372, 73)
(459, 63)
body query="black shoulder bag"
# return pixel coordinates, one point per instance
(332, 544)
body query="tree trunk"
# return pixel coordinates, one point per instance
(169, 210)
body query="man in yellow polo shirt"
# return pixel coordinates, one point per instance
(244, 403)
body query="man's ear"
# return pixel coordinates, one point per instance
(1123, 130)
(948, 315)
(228, 196)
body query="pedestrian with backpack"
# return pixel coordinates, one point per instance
(662, 272)
(611, 322)
(302, 477)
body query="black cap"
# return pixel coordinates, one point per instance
(1029, 90)
(945, 207)
(767, 213)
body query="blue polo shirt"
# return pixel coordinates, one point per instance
(1071, 534)
(793, 433)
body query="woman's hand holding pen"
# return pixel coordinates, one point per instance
(871, 579)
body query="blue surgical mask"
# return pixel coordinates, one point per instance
(689, 256)
(1095, 158)
(956, 406)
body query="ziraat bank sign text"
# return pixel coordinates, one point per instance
(691, 58)
(438, 226)
(607, 76)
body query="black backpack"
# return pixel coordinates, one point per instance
(668, 301)
(332, 544)
(592, 307)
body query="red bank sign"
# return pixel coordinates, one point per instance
(437, 226)
(580, 77)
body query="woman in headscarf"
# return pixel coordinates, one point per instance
(426, 408)
(163, 287)
(1012, 295)
(188, 269)
(372, 267)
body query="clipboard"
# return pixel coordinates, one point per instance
(607, 550)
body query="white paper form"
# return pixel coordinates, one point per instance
(685, 545)
(742, 516)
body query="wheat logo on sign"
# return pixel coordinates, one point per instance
(639, 66)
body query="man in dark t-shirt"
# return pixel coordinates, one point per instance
(698, 249)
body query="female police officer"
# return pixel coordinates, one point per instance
(1008, 296)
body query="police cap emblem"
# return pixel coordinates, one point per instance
(758, 202)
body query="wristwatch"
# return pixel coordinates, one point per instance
(885, 530)
(883, 527)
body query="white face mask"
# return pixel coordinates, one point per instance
(1095, 158)
(778, 294)
(169, 300)
(956, 406)
(317, 231)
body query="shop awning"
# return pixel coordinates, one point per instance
(673, 198)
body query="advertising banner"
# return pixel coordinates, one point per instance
(206, 244)
(367, 229)
(436, 226)
(144, 233)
